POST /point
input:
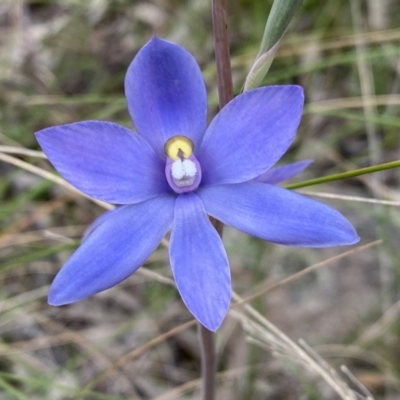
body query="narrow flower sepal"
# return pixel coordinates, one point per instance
(278, 215)
(199, 262)
(105, 161)
(107, 257)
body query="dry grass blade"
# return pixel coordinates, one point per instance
(50, 176)
(23, 298)
(22, 151)
(132, 355)
(361, 387)
(195, 384)
(366, 84)
(340, 42)
(262, 329)
(36, 214)
(307, 270)
(377, 329)
(42, 234)
(87, 347)
(351, 198)
(148, 273)
(353, 102)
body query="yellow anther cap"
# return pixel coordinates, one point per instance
(178, 146)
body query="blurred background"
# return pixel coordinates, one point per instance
(63, 61)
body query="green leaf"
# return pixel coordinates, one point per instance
(281, 14)
(279, 18)
(12, 391)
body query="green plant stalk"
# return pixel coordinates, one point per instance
(344, 175)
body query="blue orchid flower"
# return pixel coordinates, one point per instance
(272, 176)
(175, 172)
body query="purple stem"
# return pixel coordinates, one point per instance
(225, 92)
(222, 56)
(208, 362)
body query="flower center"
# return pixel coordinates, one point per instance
(182, 169)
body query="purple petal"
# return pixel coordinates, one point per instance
(199, 263)
(105, 161)
(166, 94)
(250, 134)
(113, 251)
(283, 172)
(277, 215)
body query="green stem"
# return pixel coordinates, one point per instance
(345, 175)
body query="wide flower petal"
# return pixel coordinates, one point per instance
(250, 134)
(199, 263)
(277, 215)
(114, 250)
(283, 172)
(166, 94)
(105, 161)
